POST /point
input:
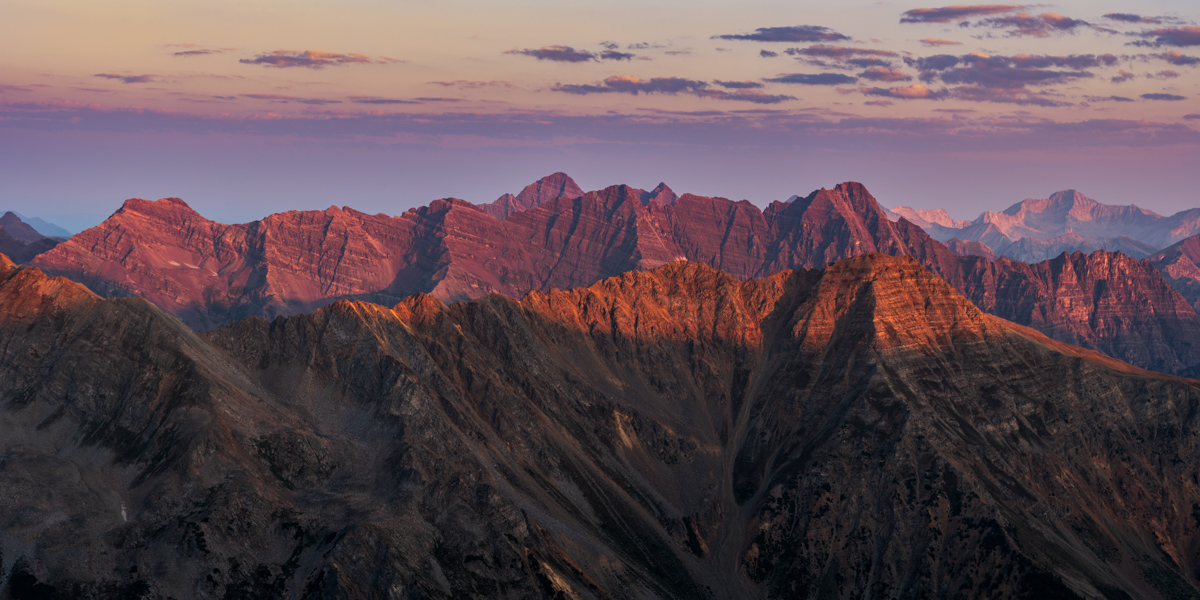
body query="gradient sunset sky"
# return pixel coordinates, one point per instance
(244, 108)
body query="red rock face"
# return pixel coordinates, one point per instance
(1106, 301)
(210, 274)
(1180, 265)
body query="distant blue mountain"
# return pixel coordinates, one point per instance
(44, 227)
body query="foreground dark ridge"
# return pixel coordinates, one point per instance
(210, 274)
(858, 431)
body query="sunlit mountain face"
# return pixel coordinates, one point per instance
(249, 108)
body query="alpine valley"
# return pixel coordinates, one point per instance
(609, 394)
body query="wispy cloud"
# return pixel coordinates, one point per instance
(794, 33)
(568, 54)
(128, 78)
(837, 52)
(908, 92)
(739, 85)
(1176, 58)
(615, 55)
(627, 84)
(1167, 97)
(814, 79)
(1008, 72)
(754, 96)
(1171, 36)
(1005, 95)
(201, 52)
(471, 85)
(947, 14)
(935, 42)
(1026, 24)
(290, 99)
(1131, 18)
(195, 50)
(555, 53)
(1122, 76)
(312, 59)
(1107, 99)
(377, 100)
(884, 74)
(1015, 133)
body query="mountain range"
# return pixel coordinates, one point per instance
(861, 430)
(210, 274)
(1067, 221)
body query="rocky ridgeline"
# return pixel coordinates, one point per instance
(857, 431)
(210, 274)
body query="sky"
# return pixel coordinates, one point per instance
(248, 107)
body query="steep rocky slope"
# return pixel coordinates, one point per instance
(1179, 266)
(19, 241)
(923, 218)
(209, 273)
(861, 431)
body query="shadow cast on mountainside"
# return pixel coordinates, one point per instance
(699, 440)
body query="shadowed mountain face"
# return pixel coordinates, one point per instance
(210, 274)
(19, 241)
(859, 431)
(1180, 265)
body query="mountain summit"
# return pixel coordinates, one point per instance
(534, 195)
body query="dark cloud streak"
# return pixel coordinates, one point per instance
(814, 79)
(625, 84)
(1167, 97)
(568, 54)
(311, 59)
(128, 78)
(739, 85)
(795, 33)
(1025, 24)
(947, 14)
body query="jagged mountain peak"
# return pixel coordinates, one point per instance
(27, 294)
(546, 189)
(852, 194)
(662, 194)
(18, 229)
